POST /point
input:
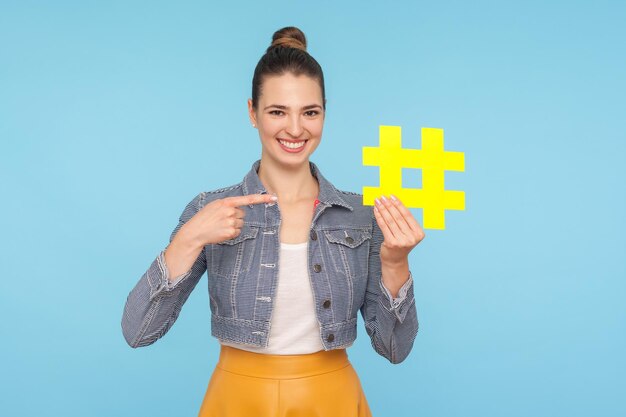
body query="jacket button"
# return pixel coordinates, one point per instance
(313, 235)
(330, 337)
(326, 304)
(317, 267)
(349, 240)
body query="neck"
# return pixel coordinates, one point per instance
(290, 183)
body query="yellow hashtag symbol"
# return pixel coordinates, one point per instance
(433, 198)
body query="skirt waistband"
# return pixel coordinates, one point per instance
(261, 365)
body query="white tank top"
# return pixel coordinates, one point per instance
(294, 328)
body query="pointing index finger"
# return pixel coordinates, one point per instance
(242, 200)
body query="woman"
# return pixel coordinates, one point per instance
(290, 261)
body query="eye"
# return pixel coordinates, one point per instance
(312, 113)
(275, 112)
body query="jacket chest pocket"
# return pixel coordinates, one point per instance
(234, 256)
(349, 250)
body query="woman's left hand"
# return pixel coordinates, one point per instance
(400, 230)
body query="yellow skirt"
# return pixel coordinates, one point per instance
(249, 384)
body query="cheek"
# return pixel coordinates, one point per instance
(267, 132)
(271, 128)
(316, 128)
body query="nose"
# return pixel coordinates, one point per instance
(294, 126)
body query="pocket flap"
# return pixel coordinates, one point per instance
(348, 237)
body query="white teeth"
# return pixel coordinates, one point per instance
(292, 145)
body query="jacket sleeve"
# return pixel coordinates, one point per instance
(391, 324)
(154, 304)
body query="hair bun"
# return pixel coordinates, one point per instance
(288, 37)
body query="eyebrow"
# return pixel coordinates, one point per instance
(279, 106)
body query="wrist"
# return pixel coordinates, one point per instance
(396, 264)
(394, 276)
(187, 240)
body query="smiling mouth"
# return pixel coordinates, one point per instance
(292, 144)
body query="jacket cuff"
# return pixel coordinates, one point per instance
(399, 305)
(158, 277)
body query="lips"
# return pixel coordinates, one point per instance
(292, 146)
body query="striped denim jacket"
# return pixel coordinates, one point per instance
(344, 271)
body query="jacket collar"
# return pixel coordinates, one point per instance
(328, 195)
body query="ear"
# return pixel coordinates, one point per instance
(251, 112)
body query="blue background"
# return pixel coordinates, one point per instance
(114, 115)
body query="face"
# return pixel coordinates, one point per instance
(289, 117)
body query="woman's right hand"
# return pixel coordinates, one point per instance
(221, 219)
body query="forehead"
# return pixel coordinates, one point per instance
(288, 87)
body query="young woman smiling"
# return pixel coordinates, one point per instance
(290, 260)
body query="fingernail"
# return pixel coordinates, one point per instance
(384, 198)
(393, 197)
(274, 198)
(377, 201)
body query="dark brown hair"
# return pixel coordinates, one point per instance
(286, 54)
